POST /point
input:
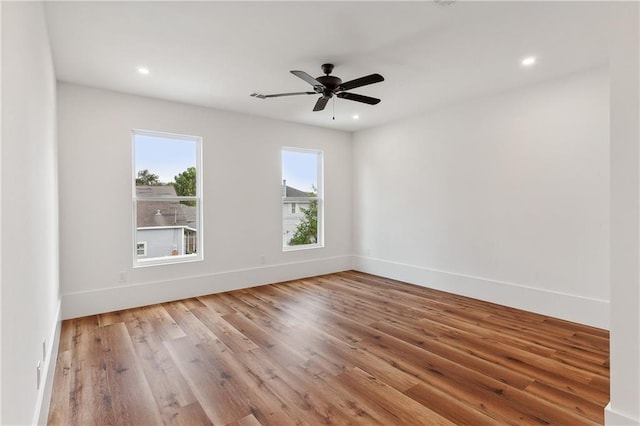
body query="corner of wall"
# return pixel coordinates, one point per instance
(613, 418)
(41, 412)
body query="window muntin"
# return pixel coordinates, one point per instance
(302, 199)
(167, 202)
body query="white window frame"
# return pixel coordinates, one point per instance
(319, 199)
(168, 260)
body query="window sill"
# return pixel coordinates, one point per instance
(167, 260)
(302, 247)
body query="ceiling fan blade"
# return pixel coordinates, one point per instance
(277, 95)
(358, 98)
(322, 102)
(312, 81)
(362, 81)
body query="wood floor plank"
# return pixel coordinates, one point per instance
(84, 380)
(163, 325)
(60, 411)
(170, 390)
(341, 402)
(214, 303)
(492, 397)
(302, 404)
(396, 407)
(188, 415)
(208, 381)
(131, 398)
(249, 420)
(582, 406)
(448, 406)
(458, 356)
(234, 339)
(531, 364)
(109, 318)
(315, 342)
(344, 348)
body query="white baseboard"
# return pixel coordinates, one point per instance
(612, 418)
(93, 302)
(41, 412)
(559, 305)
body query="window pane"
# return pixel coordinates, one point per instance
(301, 198)
(169, 228)
(301, 227)
(166, 198)
(164, 161)
(300, 173)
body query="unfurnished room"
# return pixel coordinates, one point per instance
(318, 212)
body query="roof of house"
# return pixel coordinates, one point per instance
(155, 191)
(190, 214)
(153, 213)
(294, 192)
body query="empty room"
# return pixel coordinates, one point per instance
(358, 212)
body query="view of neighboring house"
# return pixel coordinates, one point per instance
(292, 205)
(163, 227)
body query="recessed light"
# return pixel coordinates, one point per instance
(356, 116)
(143, 70)
(528, 61)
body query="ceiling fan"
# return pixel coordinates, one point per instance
(328, 85)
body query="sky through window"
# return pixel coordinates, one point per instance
(164, 156)
(300, 169)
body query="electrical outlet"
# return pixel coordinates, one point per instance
(38, 376)
(263, 259)
(122, 277)
(44, 350)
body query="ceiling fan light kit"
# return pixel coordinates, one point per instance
(328, 85)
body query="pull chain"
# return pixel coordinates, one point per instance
(334, 108)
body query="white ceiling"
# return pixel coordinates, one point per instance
(216, 54)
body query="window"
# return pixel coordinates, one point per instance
(302, 199)
(167, 201)
(141, 248)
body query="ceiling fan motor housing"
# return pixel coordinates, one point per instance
(330, 83)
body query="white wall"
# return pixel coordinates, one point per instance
(504, 198)
(624, 407)
(30, 293)
(0, 219)
(241, 168)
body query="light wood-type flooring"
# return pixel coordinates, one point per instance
(345, 348)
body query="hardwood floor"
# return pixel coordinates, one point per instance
(336, 349)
